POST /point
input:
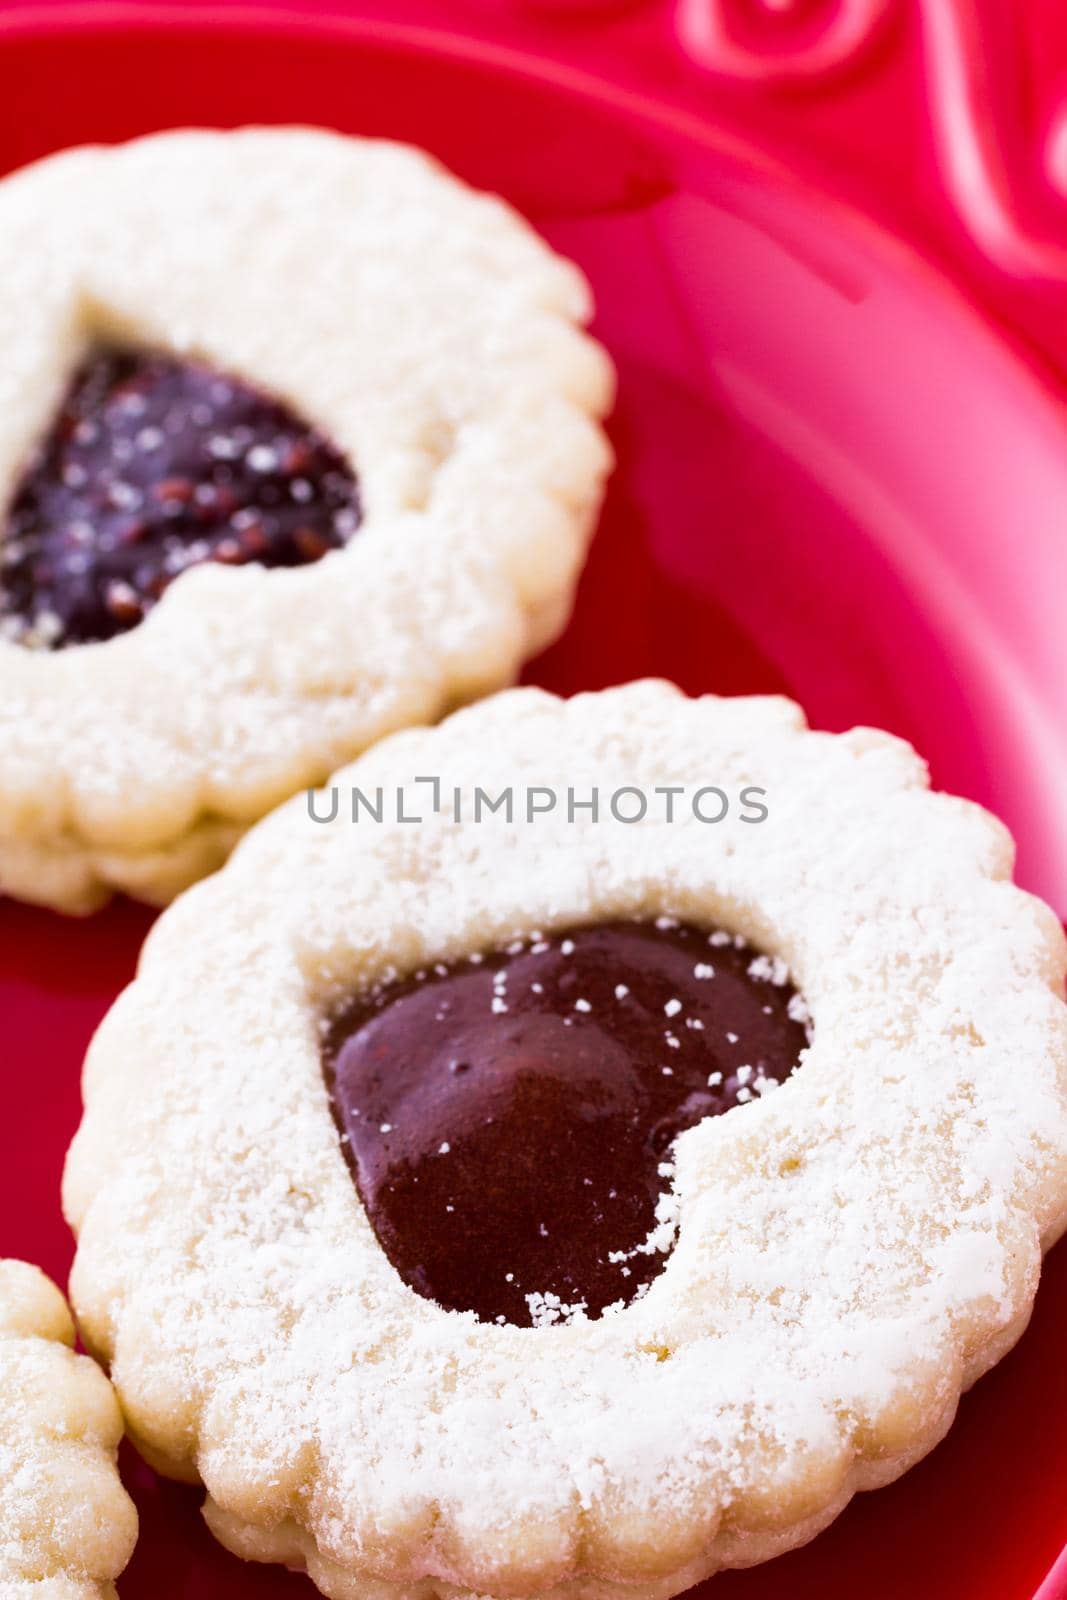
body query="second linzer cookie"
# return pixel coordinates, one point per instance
(574, 1207)
(299, 444)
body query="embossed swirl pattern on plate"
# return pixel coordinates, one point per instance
(959, 64)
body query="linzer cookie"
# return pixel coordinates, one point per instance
(590, 1180)
(67, 1527)
(299, 444)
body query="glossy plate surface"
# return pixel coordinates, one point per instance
(832, 481)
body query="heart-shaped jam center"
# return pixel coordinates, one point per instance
(153, 465)
(509, 1119)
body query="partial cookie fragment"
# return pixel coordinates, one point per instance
(67, 1526)
(299, 444)
(842, 1254)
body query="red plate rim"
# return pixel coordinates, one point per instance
(102, 17)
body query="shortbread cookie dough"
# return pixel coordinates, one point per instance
(299, 443)
(67, 1527)
(833, 1222)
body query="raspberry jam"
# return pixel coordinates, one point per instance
(508, 1119)
(153, 465)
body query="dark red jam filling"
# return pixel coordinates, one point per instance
(507, 1119)
(153, 465)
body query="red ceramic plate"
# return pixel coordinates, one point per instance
(832, 480)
